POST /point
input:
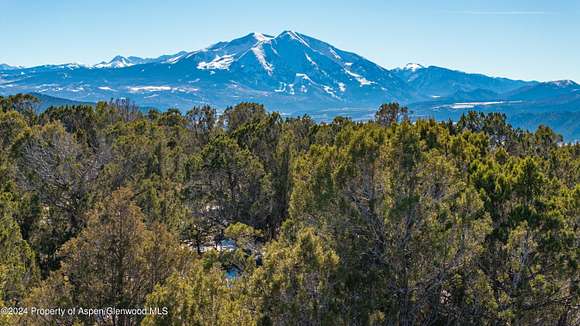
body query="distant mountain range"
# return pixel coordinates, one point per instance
(295, 74)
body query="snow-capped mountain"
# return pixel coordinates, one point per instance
(294, 64)
(122, 62)
(291, 72)
(287, 71)
(410, 67)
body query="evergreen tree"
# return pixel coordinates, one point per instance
(116, 261)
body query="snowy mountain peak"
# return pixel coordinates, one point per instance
(289, 64)
(120, 61)
(413, 66)
(289, 33)
(292, 36)
(289, 69)
(117, 62)
(262, 37)
(563, 83)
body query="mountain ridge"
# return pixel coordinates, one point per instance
(287, 70)
(291, 72)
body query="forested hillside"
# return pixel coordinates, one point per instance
(250, 218)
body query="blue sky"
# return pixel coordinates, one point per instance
(519, 39)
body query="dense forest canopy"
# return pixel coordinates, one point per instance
(249, 218)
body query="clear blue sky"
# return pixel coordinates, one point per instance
(527, 39)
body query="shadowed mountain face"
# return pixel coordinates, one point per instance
(292, 73)
(439, 82)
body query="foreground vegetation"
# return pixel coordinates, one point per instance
(385, 222)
